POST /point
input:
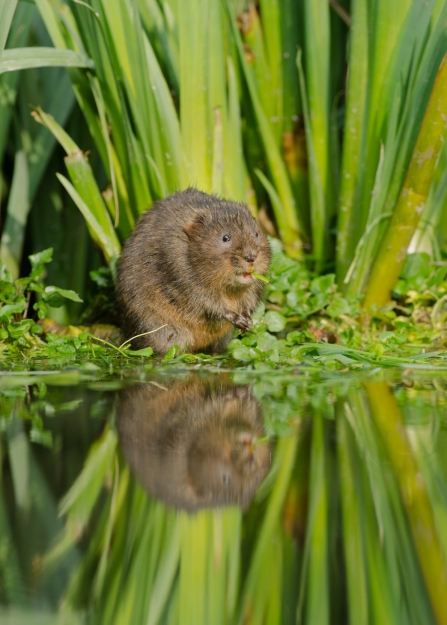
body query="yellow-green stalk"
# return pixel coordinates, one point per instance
(413, 196)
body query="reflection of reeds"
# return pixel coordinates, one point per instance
(345, 530)
(28, 518)
(264, 578)
(388, 420)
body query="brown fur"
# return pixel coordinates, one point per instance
(176, 269)
(192, 444)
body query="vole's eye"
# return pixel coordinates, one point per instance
(256, 234)
(226, 238)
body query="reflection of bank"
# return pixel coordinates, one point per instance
(194, 444)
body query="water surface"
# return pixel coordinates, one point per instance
(223, 499)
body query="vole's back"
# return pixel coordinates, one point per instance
(177, 270)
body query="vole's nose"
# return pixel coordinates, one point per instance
(250, 256)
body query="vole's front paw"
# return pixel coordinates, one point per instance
(244, 323)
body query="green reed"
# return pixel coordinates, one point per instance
(312, 110)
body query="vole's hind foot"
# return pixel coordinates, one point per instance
(220, 346)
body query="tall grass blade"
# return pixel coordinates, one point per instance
(389, 130)
(196, 133)
(11, 575)
(413, 196)
(218, 163)
(18, 34)
(109, 246)
(316, 14)
(11, 242)
(166, 575)
(271, 20)
(7, 10)
(348, 227)
(259, 65)
(26, 58)
(236, 181)
(288, 219)
(316, 188)
(84, 191)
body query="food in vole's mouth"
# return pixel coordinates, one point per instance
(260, 277)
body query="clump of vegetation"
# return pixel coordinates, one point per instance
(305, 321)
(27, 333)
(326, 119)
(19, 311)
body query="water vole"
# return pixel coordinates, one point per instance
(188, 264)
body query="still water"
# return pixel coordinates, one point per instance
(223, 499)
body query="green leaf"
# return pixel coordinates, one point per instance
(275, 321)
(245, 354)
(41, 308)
(41, 258)
(296, 337)
(145, 352)
(266, 341)
(416, 266)
(16, 330)
(13, 235)
(339, 306)
(322, 284)
(24, 58)
(42, 437)
(7, 10)
(68, 294)
(172, 351)
(8, 310)
(5, 274)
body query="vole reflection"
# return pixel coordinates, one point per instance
(194, 444)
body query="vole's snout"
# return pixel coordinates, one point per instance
(250, 256)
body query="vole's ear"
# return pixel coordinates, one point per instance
(193, 227)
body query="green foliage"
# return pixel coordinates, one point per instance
(15, 297)
(304, 322)
(20, 331)
(413, 195)
(214, 94)
(162, 113)
(28, 147)
(307, 321)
